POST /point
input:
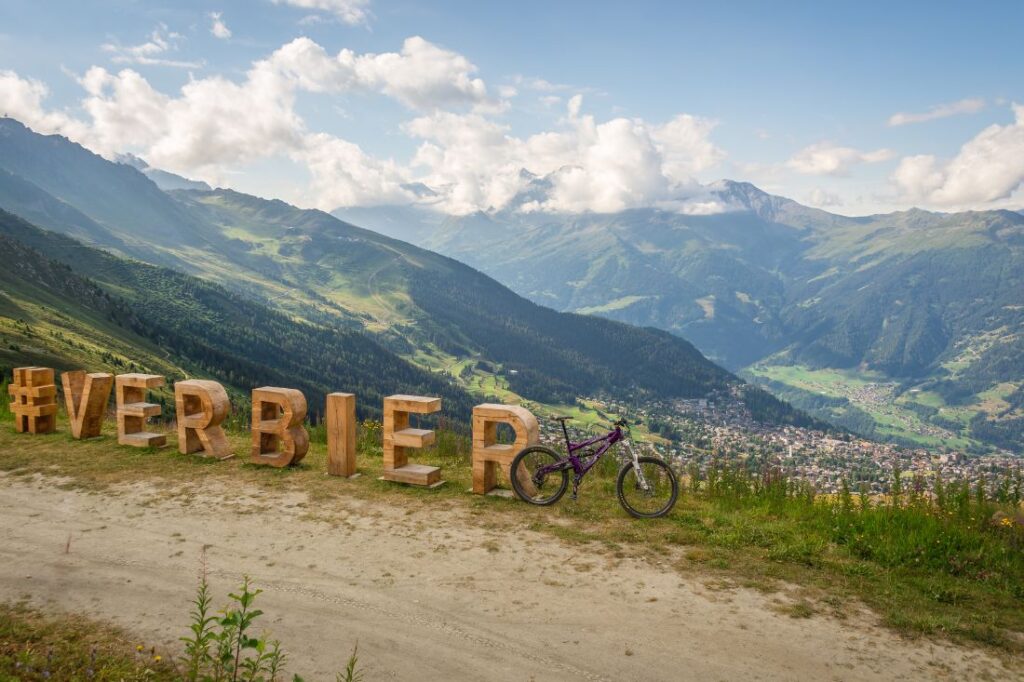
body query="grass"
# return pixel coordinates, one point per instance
(34, 646)
(873, 393)
(832, 382)
(925, 567)
(893, 415)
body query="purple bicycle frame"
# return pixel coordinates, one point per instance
(579, 467)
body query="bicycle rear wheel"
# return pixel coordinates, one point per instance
(529, 480)
(650, 501)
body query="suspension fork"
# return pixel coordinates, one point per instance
(628, 444)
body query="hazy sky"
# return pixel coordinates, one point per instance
(856, 107)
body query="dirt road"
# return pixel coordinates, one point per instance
(428, 595)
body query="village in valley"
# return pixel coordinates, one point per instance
(699, 434)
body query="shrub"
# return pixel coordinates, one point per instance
(222, 648)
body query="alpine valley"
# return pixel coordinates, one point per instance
(106, 268)
(906, 326)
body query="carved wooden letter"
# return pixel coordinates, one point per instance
(341, 434)
(488, 454)
(278, 437)
(133, 410)
(398, 436)
(86, 397)
(33, 400)
(201, 406)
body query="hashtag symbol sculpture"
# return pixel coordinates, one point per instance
(34, 400)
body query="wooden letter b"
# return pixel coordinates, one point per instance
(278, 437)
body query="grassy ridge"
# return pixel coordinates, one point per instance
(948, 566)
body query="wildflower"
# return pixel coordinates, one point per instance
(157, 658)
(139, 647)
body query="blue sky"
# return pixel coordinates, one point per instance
(796, 97)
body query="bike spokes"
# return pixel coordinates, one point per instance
(538, 477)
(649, 491)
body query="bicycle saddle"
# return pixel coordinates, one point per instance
(561, 418)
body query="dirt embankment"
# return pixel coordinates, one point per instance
(428, 595)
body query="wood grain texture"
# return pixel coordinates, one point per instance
(33, 400)
(86, 397)
(399, 437)
(201, 407)
(414, 474)
(488, 454)
(133, 410)
(278, 437)
(341, 434)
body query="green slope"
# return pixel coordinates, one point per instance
(409, 294)
(179, 325)
(50, 316)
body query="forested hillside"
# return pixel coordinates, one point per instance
(52, 317)
(558, 356)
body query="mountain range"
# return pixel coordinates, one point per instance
(908, 326)
(194, 281)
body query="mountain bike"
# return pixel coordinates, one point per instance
(647, 487)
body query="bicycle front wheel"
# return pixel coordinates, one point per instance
(533, 478)
(649, 494)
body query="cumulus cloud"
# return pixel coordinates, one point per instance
(151, 52)
(698, 204)
(352, 12)
(538, 84)
(472, 161)
(422, 76)
(588, 165)
(964, 106)
(344, 175)
(218, 28)
(823, 198)
(686, 147)
(824, 158)
(217, 121)
(214, 122)
(22, 99)
(988, 168)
